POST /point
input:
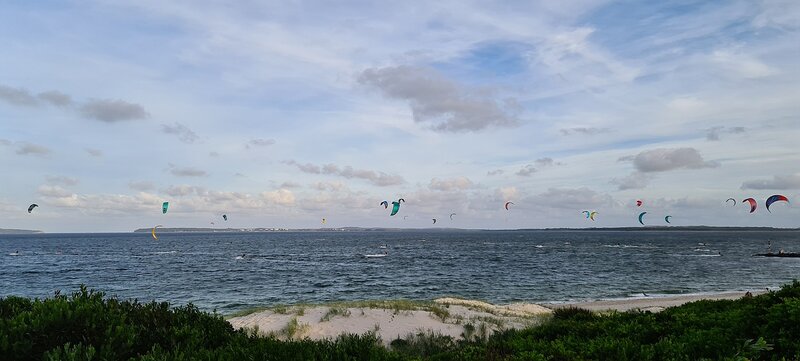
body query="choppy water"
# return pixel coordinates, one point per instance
(497, 266)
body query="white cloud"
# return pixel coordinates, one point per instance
(635, 180)
(782, 182)
(452, 184)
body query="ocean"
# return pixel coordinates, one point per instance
(208, 270)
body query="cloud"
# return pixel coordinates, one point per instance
(290, 185)
(53, 191)
(583, 131)
(184, 134)
(635, 180)
(714, 132)
(283, 197)
(433, 98)
(186, 171)
(61, 180)
(570, 198)
(329, 186)
(259, 143)
(183, 190)
(506, 193)
(17, 96)
(107, 110)
(665, 159)
(495, 172)
(94, 152)
(546, 162)
(56, 98)
(111, 111)
(784, 182)
(526, 170)
(142, 186)
(25, 148)
(743, 65)
(453, 184)
(377, 178)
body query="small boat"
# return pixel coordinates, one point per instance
(376, 255)
(779, 254)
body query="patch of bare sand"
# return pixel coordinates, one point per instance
(653, 304)
(449, 317)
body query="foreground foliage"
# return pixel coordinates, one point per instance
(88, 326)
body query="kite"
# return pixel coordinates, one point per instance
(395, 208)
(225, 217)
(588, 214)
(164, 207)
(434, 220)
(154, 232)
(752, 202)
(405, 217)
(401, 200)
(776, 198)
(323, 221)
(731, 199)
(385, 204)
(31, 207)
(507, 203)
(640, 217)
(638, 203)
(591, 215)
(666, 219)
(451, 216)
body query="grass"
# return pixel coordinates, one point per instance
(294, 329)
(333, 312)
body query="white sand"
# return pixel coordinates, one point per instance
(453, 315)
(391, 324)
(653, 304)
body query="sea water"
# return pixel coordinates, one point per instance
(233, 271)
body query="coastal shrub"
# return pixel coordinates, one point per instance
(86, 325)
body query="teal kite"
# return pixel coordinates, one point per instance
(640, 217)
(164, 207)
(666, 219)
(395, 208)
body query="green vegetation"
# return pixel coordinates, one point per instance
(333, 312)
(88, 326)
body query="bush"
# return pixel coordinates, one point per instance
(87, 326)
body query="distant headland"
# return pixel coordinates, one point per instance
(18, 231)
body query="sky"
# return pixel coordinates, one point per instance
(279, 114)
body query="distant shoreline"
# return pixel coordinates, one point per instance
(380, 229)
(19, 231)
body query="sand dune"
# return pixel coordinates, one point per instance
(446, 316)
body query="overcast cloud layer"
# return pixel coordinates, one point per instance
(279, 114)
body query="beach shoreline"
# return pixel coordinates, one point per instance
(457, 318)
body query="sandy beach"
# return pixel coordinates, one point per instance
(454, 317)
